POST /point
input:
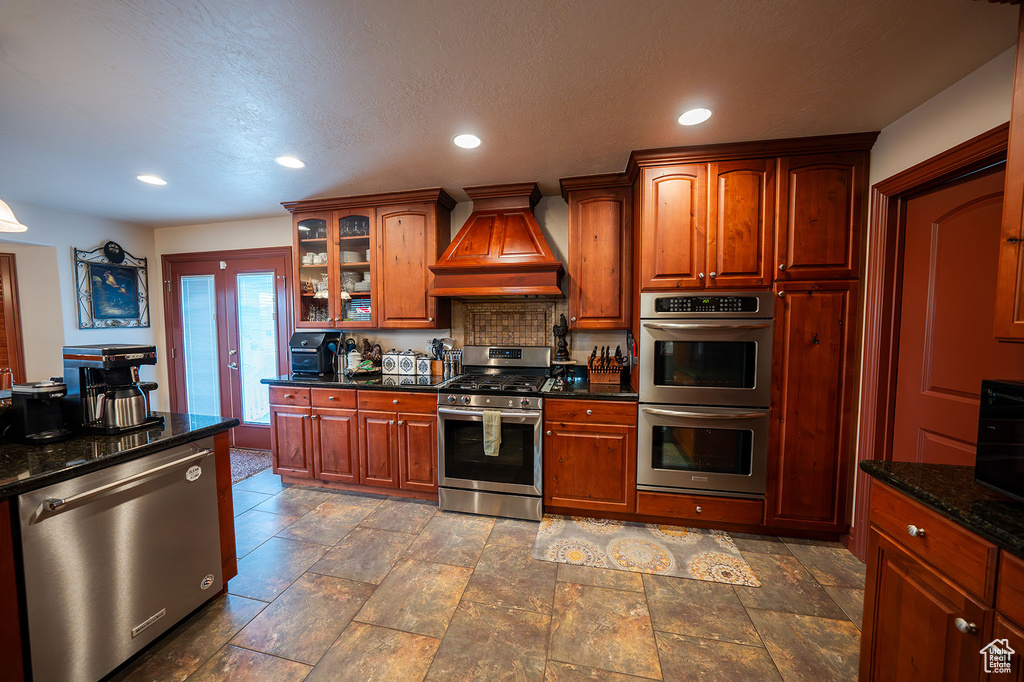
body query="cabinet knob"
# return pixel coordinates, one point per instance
(712, 275)
(782, 266)
(395, 401)
(430, 319)
(700, 275)
(782, 294)
(698, 510)
(287, 395)
(337, 319)
(331, 397)
(573, 319)
(549, 433)
(965, 627)
(400, 422)
(914, 531)
(391, 422)
(590, 412)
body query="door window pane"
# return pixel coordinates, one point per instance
(257, 343)
(720, 451)
(199, 331)
(705, 364)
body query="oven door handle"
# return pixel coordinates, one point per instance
(504, 415)
(704, 415)
(684, 326)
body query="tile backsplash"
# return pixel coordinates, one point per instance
(486, 323)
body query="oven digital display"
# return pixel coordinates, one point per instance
(705, 304)
(505, 353)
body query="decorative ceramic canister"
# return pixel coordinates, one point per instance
(389, 365)
(389, 380)
(423, 366)
(407, 362)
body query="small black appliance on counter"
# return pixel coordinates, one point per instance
(1000, 461)
(314, 352)
(37, 414)
(104, 391)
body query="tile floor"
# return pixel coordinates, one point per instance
(336, 586)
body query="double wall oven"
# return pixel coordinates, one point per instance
(705, 388)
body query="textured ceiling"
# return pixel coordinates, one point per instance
(370, 92)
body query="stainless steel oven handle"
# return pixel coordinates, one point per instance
(55, 504)
(683, 326)
(472, 413)
(703, 415)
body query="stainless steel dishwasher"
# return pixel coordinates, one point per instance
(114, 558)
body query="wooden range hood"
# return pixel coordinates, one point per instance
(500, 250)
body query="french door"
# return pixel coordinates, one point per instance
(227, 316)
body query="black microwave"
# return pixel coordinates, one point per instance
(1000, 461)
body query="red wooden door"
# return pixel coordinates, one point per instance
(417, 452)
(378, 449)
(12, 354)
(336, 445)
(948, 308)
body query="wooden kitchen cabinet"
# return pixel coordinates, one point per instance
(410, 239)
(590, 455)
(335, 445)
(741, 223)
(291, 440)
(600, 251)
(1009, 322)
(673, 227)
(822, 202)
(398, 449)
(911, 613)
(813, 384)
(1004, 629)
(391, 240)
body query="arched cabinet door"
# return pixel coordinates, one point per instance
(822, 198)
(673, 225)
(600, 258)
(741, 224)
(408, 243)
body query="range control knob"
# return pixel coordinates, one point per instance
(465, 400)
(451, 399)
(525, 402)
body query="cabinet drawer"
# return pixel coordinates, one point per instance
(395, 401)
(289, 395)
(700, 507)
(589, 411)
(954, 551)
(334, 397)
(1010, 588)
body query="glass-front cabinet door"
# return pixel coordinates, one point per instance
(354, 267)
(313, 260)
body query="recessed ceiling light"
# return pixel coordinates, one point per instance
(151, 179)
(290, 162)
(466, 141)
(694, 116)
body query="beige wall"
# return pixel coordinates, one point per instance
(46, 283)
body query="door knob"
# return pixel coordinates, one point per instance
(232, 351)
(965, 627)
(233, 365)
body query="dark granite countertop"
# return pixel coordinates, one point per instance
(383, 382)
(581, 389)
(28, 467)
(951, 491)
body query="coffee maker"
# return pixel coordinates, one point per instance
(104, 391)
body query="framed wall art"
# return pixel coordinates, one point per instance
(112, 288)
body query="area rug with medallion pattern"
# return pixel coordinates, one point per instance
(643, 548)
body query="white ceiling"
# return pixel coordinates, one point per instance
(370, 92)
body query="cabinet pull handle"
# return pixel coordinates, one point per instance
(713, 275)
(590, 412)
(1013, 240)
(699, 510)
(965, 627)
(395, 401)
(915, 532)
(548, 433)
(782, 266)
(700, 275)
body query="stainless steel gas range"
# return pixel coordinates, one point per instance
(508, 381)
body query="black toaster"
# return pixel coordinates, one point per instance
(314, 352)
